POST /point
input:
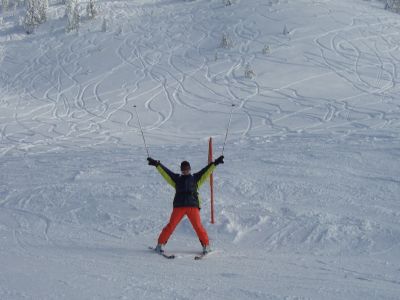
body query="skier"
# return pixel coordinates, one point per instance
(186, 200)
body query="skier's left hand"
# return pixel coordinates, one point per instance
(219, 160)
(153, 162)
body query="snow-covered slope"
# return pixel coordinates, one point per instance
(307, 202)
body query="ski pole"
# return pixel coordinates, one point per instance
(140, 125)
(227, 129)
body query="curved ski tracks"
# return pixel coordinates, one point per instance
(172, 65)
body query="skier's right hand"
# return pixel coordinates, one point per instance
(219, 160)
(153, 162)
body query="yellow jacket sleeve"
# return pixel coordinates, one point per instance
(167, 175)
(204, 174)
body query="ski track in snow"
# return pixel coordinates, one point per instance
(168, 67)
(307, 201)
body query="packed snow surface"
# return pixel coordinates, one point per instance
(307, 202)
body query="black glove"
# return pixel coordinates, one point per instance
(153, 162)
(219, 160)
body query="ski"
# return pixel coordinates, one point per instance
(200, 256)
(204, 255)
(163, 254)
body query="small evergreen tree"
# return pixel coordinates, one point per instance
(248, 72)
(393, 5)
(227, 2)
(104, 25)
(73, 17)
(396, 6)
(15, 8)
(119, 30)
(33, 16)
(91, 9)
(4, 5)
(77, 16)
(285, 30)
(266, 50)
(226, 41)
(43, 7)
(29, 22)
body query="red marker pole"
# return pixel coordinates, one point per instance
(210, 159)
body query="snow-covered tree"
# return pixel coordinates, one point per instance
(227, 2)
(34, 15)
(91, 9)
(396, 6)
(393, 5)
(4, 5)
(15, 6)
(119, 30)
(29, 22)
(285, 30)
(104, 25)
(73, 17)
(226, 41)
(43, 7)
(266, 50)
(249, 72)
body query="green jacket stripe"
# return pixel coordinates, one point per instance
(207, 173)
(166, 176)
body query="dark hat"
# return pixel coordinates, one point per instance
(185, 165)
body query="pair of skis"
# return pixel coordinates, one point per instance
(172, 256)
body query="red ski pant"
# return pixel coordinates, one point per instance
(193, 213)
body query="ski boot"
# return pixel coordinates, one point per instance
(159, 248)
(206, 249)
